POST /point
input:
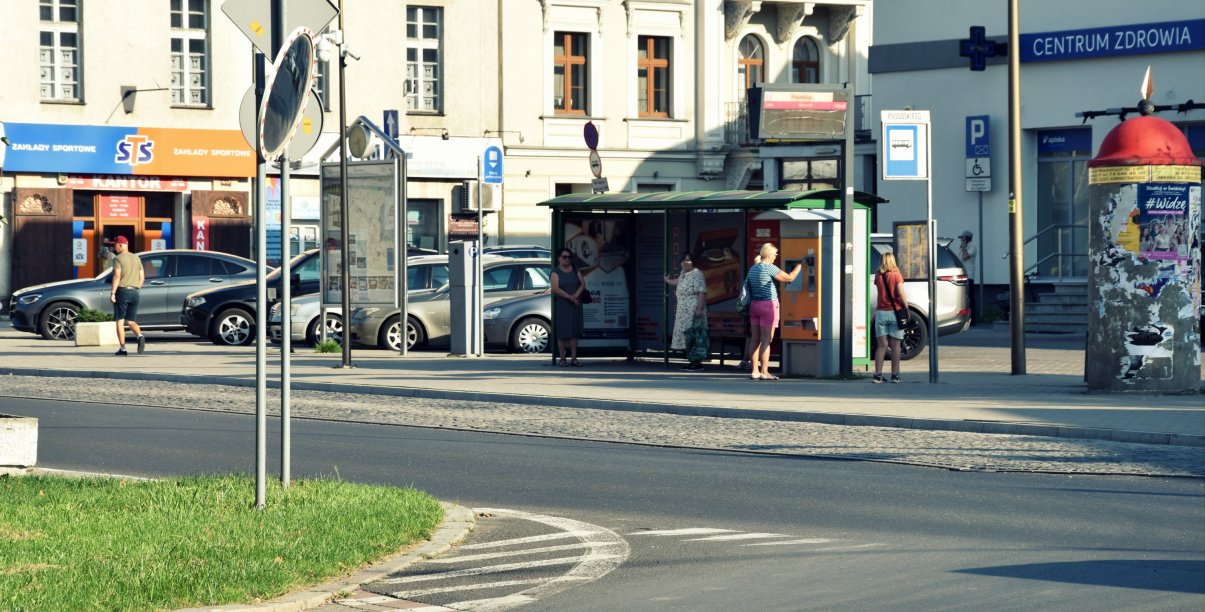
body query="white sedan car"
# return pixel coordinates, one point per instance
(304, 313)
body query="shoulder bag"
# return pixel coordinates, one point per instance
(901, 314)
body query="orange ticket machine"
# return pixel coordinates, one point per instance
(800, 299)
(810, 305)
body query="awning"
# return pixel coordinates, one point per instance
(692, 200)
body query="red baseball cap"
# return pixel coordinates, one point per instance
(121, 240)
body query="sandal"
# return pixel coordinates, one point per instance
(769, 377)
(577, 364)
(563, 363)
(755, 377)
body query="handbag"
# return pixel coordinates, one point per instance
(742, 303)
(698, 342)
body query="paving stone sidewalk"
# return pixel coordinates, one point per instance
(943, 449)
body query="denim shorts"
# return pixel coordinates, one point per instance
(885, 325)
(126, 305)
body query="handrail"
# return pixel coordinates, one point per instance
(1028, 273)
(1030, 270)
(1046, 229)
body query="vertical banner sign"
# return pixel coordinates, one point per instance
(200, 233)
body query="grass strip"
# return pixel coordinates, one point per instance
(113, 544)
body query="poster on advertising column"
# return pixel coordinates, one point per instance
(601, 248)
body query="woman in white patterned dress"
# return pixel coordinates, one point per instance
(692, 306)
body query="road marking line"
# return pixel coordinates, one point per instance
(871, 545)
(739, 536)
(786, 542)
(494, 605)
(511, 553)
(527, 540)
(477, 586)
(609, 552)
(676, 532)
(493, 569)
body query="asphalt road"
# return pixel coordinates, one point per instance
(794, 533)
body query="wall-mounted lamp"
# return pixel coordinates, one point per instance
(443, 132)
(501, 133)
(129, 92)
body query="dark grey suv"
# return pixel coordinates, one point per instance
(50, 309)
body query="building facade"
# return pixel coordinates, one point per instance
(664, 83)
(140, 135)
(1075, 56)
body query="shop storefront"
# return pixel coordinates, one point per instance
(78, 187)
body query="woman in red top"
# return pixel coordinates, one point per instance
(890, 285)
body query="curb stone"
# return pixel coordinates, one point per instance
(828, 418)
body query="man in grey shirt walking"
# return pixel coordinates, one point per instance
(127, 285)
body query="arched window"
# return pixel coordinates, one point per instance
(805, 61)
(751, 65)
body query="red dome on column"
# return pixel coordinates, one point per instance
(1145, 141)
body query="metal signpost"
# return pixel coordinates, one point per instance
(265, 23)
(907, 155)
(979, 179)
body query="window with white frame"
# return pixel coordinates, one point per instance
(751, 65)
(424, 29)
(59, 49)
(190, 52)
(653, 76)
(805, 61)
(570, 70)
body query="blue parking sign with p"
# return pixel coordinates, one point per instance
(977, 136)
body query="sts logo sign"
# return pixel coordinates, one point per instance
(134, 149)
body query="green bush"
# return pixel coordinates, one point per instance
(88, 315)
(328, 346)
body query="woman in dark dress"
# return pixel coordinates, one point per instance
(567, 288)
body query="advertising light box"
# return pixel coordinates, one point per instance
(798, 111)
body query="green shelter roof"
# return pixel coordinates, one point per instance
(663, 200)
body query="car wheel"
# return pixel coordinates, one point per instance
(334, 330)
(531, 335)
(391, 334)
(58, 321)
(916, 337)
(233, 327)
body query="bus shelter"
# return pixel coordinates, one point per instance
(625, 243)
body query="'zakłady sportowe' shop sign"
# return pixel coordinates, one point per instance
(90, 149)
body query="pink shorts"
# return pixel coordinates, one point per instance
(763, 313)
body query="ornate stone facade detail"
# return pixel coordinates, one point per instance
(790, 18)
(737, 14)
(36, 204)
(711, 164)
(839, 20)
(228, 207)
(738, 176)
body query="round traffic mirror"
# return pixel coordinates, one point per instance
(286, 94)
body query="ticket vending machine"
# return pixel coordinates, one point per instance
(810, 305)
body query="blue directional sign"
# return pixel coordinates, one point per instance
(978, 131)
(491, 167)
(390, 122)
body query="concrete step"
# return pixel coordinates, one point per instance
(1063, 298)
(1055, 328)
(1056, 316)
(1057, 309)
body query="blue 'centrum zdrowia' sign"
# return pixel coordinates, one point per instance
(1132, 39)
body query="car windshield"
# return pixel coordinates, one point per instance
(294, 264)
